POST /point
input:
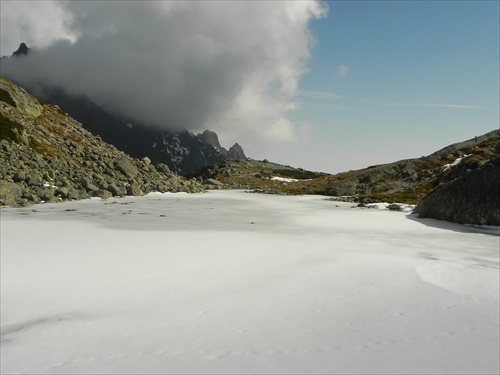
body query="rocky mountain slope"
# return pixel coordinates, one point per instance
(45, 155)
(183, 151)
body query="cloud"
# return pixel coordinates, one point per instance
(37, 23)
(230, 66)
(425, 105)
(341, 72)
(322, 95)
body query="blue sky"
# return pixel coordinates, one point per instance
(405, 78)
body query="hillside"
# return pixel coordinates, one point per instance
(45, 155)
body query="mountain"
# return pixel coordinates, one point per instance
(183, 151)
(45, 155)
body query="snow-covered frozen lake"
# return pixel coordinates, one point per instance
(230, 282)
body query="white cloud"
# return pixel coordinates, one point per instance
(322, 95)
(231, 66)
(343, 69)
(431, 105)
(341, 72)
(37, 23)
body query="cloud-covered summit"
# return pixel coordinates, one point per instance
(228, 66)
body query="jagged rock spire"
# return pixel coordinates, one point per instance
(22, 50)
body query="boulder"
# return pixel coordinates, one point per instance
(10, 193)
(471, 199)
(126, 167)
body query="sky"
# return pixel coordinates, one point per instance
(326, 86)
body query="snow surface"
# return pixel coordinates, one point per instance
(229, 282)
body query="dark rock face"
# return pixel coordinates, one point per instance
(471, 199)
(22, 50)
(212, 139)
(235, 152)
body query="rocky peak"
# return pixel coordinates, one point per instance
(211, 138)
(22, 50)
(236, 152)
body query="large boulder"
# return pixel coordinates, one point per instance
(471, 199)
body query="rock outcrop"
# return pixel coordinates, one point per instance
(45, 155)
(22, 50)
(473, 198)
(212, 139)
(235, 151)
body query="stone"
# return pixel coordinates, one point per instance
(126, 167)
(103, 194)
(88, 184)
(134, 189)
(10, 193)
(213, 182)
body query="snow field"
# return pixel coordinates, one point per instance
(230, 282)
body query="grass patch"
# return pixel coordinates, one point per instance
(43, 148)
(10, 130)
(5, 97)
(418, 193)
(297, 174)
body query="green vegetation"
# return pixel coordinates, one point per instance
(43, 148)
(5, 97)
(297, 174)
(10, 130)
(412, 197)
